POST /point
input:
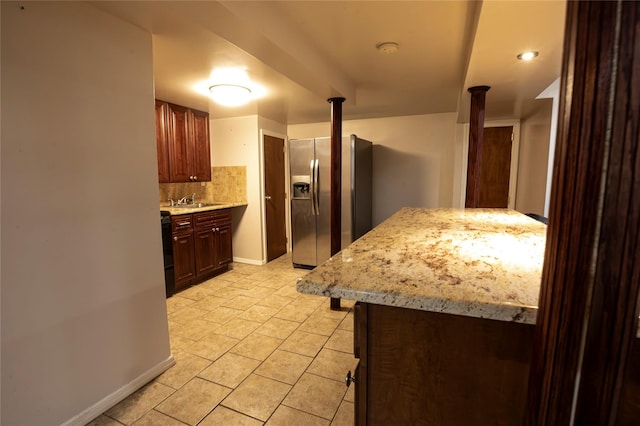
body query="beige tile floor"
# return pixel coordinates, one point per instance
(249, 350)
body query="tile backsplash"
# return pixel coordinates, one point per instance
(228, 185)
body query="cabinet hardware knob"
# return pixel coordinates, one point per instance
(349, 379)
(268, 197)
(195, 178)
(175, 238)
(217, 229)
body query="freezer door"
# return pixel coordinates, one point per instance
(346, 227)
(303, 233)
(323, 190)
(303, 221)
(361, 186)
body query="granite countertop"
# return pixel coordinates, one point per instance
(210, 206)
(484, 263)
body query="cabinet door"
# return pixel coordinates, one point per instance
(224, 250)
(360, 351)
(201, 165)
(360, 406)
(162, 143)
(205, 251)
(183, 259)
(180, 147)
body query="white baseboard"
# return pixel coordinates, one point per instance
(110, 400)
(249, 261)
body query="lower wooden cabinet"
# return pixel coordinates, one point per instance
(202, 246)
(427, 368)
(183, 260)
(223, 245)
(205, 247)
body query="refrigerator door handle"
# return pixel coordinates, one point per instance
(313, 187)
(316, 187)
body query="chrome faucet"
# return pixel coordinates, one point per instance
(185, 199)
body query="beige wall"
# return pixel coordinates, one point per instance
(235, 141)
(272, 127)
(413, 158)
(534, 155)
(83, 304)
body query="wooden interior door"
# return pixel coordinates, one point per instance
(495, 168)
(274, 191)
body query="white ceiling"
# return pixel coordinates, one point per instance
(303, 52)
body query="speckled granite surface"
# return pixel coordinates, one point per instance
(187, 210)
(484, 263)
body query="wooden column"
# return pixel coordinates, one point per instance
(476, 129)
(336, 181)
(588, 309)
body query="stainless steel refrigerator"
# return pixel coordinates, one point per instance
(310, 173)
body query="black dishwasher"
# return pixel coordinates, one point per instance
(167, 251)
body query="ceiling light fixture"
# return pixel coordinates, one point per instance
(387, 47)
(527, 56)
(230, 94)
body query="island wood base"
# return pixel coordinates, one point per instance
(425, 368)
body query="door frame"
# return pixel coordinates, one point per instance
(263, 206)
(515, 154)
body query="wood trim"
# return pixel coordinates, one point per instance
(476, 128)
(336, 173)
(336, 181)
(588, 309)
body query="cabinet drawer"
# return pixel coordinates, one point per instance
(223, 216)
(204, 219)
(209, 219)
(182, 223)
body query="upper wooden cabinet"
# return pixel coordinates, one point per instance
(161, 142)
(202, 157)
(182, 137)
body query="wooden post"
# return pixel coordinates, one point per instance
(588, 307)
(476, 130)
(336, 181)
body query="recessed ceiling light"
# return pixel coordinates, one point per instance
(527, 56)
(387, 47)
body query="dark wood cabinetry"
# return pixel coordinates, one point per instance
(418, 367)
(162, 143)
(202, 246)
(201, 161)
(213, 240)
(223, 244)
(182, 139)
(183, 250)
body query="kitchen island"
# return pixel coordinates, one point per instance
(447, 302)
